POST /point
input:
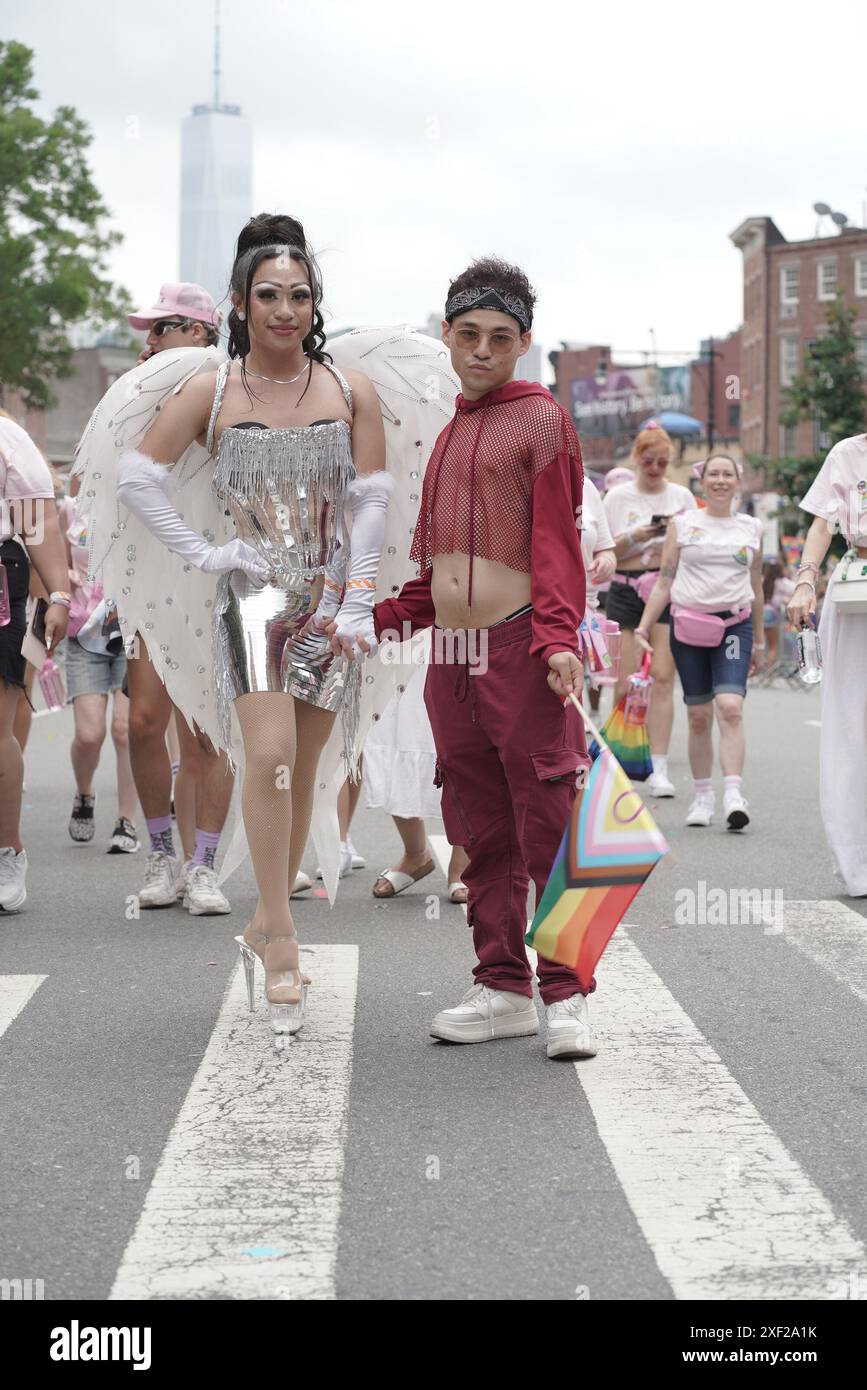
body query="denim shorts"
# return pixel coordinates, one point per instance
(92, 673)
(721, 670)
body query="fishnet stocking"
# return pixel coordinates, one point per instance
(283, 739)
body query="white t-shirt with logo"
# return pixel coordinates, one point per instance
(625, 507)
(595, 535)
(24, 478)
(839, 490)
(715, 557)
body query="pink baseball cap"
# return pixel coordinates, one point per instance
(615, 476)
(183, 301)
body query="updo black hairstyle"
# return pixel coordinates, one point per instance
(264, 237)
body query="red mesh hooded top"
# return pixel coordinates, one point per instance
(504, 483)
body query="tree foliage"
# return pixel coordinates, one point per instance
(54, 245)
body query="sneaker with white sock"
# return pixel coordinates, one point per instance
(569, 1031)
(358, 860)
(735, 809)
(13, 871)
(163, 882)
(202, 897)
(659, 784)
(485, 1013)
(702, 809)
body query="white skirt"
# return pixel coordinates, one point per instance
(843, 742)
(400, 757)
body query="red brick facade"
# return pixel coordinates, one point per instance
(787, 288)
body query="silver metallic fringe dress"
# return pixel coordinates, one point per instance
(285, 490)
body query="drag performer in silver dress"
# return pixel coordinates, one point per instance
(286, 490)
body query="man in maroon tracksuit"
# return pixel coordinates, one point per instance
(499, 551)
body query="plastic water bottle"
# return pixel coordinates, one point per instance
(638, 693)
(612, 638)
(809, 656)
(51, 683)
(5, 605)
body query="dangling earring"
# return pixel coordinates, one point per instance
(241, 315)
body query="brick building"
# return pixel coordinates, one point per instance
(788, 286)
(726, 369)
(57, 431)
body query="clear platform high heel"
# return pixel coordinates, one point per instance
(286, 1015)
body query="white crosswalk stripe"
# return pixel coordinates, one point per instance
(832, 936)
(726, 1210)
(245, 1202)
(15, 991)
(724, 1207)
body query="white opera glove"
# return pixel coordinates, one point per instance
(368, 497)
(144, 487)
(332, 592)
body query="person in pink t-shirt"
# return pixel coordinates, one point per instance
(711, 573)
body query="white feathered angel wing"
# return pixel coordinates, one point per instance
(416, 387)
(167, 601)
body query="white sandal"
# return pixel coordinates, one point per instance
(458, 887)
(400, 881)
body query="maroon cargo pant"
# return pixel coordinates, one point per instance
(508, 753)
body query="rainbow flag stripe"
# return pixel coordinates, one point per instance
(608, 849)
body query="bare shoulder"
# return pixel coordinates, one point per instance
(361, 385)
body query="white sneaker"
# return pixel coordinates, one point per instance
(485, 1013)
(735, 810)
(569, 1031)
(13, 871)
(302, 883)
(701, 811)
(345, 862)
(202, 897)
(659, 784)
(163, 882)
(358, 860)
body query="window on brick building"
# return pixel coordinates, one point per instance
(787, 441)
(861, 349)
(789, 347)
(790, 284)
(861, 276)
(826, 279)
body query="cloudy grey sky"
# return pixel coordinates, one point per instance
(608, 148)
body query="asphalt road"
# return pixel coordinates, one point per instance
(713, 1149)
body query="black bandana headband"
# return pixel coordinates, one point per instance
(489, 298)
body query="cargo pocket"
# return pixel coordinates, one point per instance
(457, 825)
(560, 765)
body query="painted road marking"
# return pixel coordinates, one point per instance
(726, 1210)
(834, 937)
(245, 1202)
(15, 992)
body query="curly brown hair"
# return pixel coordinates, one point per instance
(492, 273)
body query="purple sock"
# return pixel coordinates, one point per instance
(206, 848)
(160, 831)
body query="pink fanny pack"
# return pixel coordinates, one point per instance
(702, 629)
(642, 583)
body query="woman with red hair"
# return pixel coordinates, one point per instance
(638, 513)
